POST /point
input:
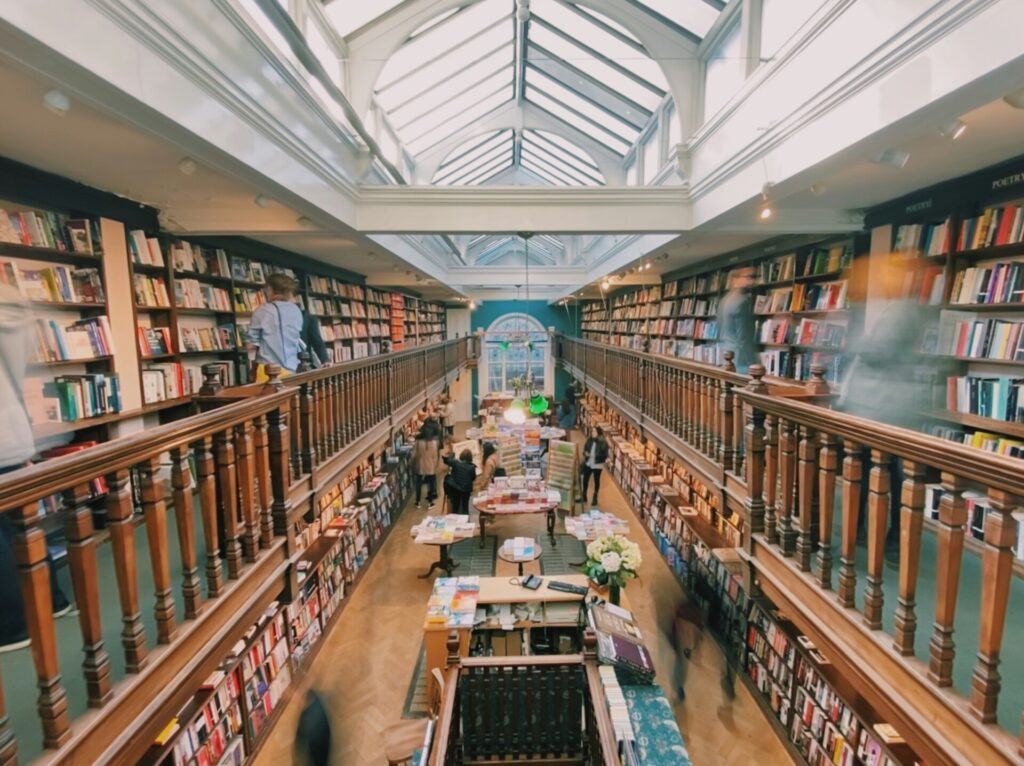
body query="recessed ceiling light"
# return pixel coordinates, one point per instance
(895, 158)
(187, 166)
(817, 189)
(953, 130)
(472, 305)
(1015, 99)
(304, 221)
(262, 200)
(57, 102)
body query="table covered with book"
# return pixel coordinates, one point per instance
(514, 495)
(443, 531)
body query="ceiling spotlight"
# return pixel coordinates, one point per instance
(605, 284)
(304, 221)
(472, 305)
(57, 102)
(817, 189)
(262, 200)
(764, 210)
(953, 130)
(647, 265)
(1015, 99)
(187, 166)
(895, 158)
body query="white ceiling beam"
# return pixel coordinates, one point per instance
(555, 210)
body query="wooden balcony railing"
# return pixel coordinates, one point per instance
(547, 709)
(797, 472)
(222, 517)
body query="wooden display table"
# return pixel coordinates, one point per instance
(508, 555)
(499, 590)
(489, 509)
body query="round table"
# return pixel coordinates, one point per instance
(507, 556)
(488, 512)
(444, 560)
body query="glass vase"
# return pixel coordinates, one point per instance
(613, 594)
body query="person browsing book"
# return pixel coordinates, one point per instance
(425, 462)
(736, 331)
(458, 484)
(492, 462)
(595, 452)
(275, 334)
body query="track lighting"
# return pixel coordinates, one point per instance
(953, 130)
(57, 102)
(187, 166)
(895, 158)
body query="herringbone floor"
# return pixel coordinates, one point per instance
(366, 664)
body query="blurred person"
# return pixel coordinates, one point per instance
(17, 446)
(432, 426)
(313, 734)
(736, 330)
(425, 462)
(275, 334)
(458, 484)
(882, 381)
(685, 635)
(313, 339)
(566, 414)
(491, 464)
(447, 415)
(595, 452)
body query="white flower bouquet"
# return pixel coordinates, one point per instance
(612, 560)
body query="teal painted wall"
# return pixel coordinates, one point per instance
(547, 315)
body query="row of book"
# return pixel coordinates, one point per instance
(816, 332)
(773, 330)
(926, 285)
(248, 299)
(219, 338)
(44, 228)
(643, 296)
(54, 284)
(211, 735)
(994, 227)
(82, 339)
(827, 260)
(162, 382)
(332, 286)
(193, 294)
(962, 334)
(343, 330)
(212, 261)
(144, 250)
(983, 440)
(697, 285)
(830, 296)
(151, 291)
(998, 283)
(924, 238)
(154, 341)
(779, 269)
(69, 398)
(996, 397)
(336, 308)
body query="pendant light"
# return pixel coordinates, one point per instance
(516, 412)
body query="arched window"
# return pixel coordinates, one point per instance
(515, 344)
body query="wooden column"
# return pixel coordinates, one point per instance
(34, 579)
(807, 471)
(261, 447)
(996, 578)
(85, 580)
(181, 484)
(227, 485)
(155, 511)
(849, 510)
(310, 442)
(952, 518)
(122, 546)
(787, 477)
(299, 434)
(879, 487)
(247, 490)
(911, 524)
(206, 482)
(756, 472)
(771, 473)
(279, 477)
(828, 466)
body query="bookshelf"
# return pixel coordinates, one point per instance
(801, 300)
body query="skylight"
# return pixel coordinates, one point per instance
(349, 15)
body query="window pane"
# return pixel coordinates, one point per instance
(544, 157)
(566, 144)
(631, 176)
(675, 132)
(652, 158)
(574, 101)
(540, 172)
(470, 169)
(725, 72)
(502, 161)
(465, 154)
(581, 169)
(447, 109)
(349, 15)
(693, 15)
(456, 121)
(611, 140)
(484, 178)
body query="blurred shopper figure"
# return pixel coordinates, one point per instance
(447, 414)
(17, 446)
(458, 484)
(883, 380)
(425, 461)
(313, 736)
(275, 333)
(686, 633)
(736, 330)
(491, 464)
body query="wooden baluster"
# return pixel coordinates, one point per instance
(996, 578)
(678, 403)
(787, 475)
(322, 398)
(330, 435)
(360, 403)
(715, 411)
(8, 745)
(299, 435)
(181, 484)
(227, 485)
(280, 481)
(122, 546)
(311, 433)
(207, 487)
(34, 579)
(155, 511)
(350, 409)
(705, 413)
(726, 446)
(879, 480)
(911, 524)
(952, 518)
(771, 472)
(755, 442)
(339, 412)
(807, 473)
(247, 490)
(828, 466)
(849, 498)
(85, 581)
(687, 401)
(739, 415)
(261, 446)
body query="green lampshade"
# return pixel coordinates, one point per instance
(538, 405)
(503, 345)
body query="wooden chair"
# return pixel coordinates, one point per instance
(403, 739)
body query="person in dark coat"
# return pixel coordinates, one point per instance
(313, 736)
(458, 484)
(595, 452)
(314, 340)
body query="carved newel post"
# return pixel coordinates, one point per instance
(211, 380)
(273, 377)
(729, 365)
(817, 385)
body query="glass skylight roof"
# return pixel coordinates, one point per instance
(586, 73)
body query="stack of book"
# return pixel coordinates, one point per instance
(453, 602)
(54, 284)
(154, 341)
(43, 228)
(68, 398)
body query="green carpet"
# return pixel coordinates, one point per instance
(564, 558)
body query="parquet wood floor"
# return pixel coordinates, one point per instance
(365, 666)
